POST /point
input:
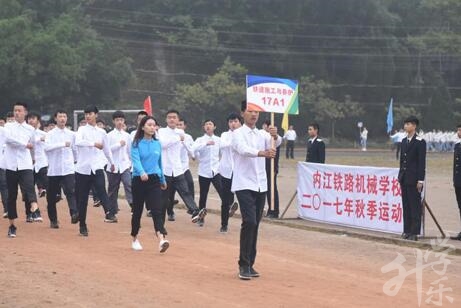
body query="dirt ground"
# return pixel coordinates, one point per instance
(57, 268)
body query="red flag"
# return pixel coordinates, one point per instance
(148, 106)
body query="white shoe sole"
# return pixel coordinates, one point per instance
(233, 209)
(201, 214)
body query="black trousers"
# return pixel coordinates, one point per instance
(412, 209)
(251, 208)
(179, 184)
(83, 183)
(172, 192)
(204, 184)
(149, 193)
(67, 182)
(290, 149)
(275, 211)
(41, 178)
(227, 200)
(25, 179)
(458, 198)
(4, 190)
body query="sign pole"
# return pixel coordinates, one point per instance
(272, 173)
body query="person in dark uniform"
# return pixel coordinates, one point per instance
(315, 145)
(411, 177)
(457, 174)
(273, 214)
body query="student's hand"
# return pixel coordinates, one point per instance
(267, 153)
(181, 137)
(29, 146)
(122, 143)
(42, 139)
(273, 132)
(163, 186)
(144, 177)
(419, 187)
(98, 145)
(67, 144)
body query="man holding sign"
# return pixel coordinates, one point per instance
(249, 183)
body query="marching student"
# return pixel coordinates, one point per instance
(457, 172)
(290, 137)
(19, 138)
(171, 138)
(411, 176)
(186, 152)
(40, 159)
(61, 152)
(226, 167)
(274, 213)
(249, 183)
(3, 186)
(207, 151)
(148, 182)
(120, 146)
(93, 154)
(315, 145)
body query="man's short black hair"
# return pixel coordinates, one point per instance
(90, 109)
(181, 119)
(142, 112)
(118, 114)
(412, 119)
(458, 126)
(234, 116)
(243, 105)
(18, 103)
(209, 120)
(33, 114)
(59, 111)
(172, 111)
(52, 121)
(315, 126)
(100, 121)
(267, 122)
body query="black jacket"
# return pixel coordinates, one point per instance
(315, 151)
(412, 161)
(457, 165)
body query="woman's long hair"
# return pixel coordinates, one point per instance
(140, 133)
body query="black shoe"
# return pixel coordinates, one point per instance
(234, 207)
(175, 202)
(42, 193)
(97, 203)
(149, 214)
(36, 216)
(11, 231)
(458, 238)
(74, 218)
(58, 198)
(198, 215)
(171, 217)
(253, 273)
(223, 229)
(83, 231)
(244, 273)
(29, 218)
(404, 236)
(110, 218)
(412, 237)
(54, 225)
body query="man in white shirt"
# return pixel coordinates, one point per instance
(171, 139)
(93, 154)
(18, 163)
(186, 152)
(207, 152)
(3, 186)
(61, 153)
(120, 146)
(40, 159)
(249, 182)
(290, 137)
(226, 167)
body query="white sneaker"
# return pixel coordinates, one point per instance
(163, 246)
(136, 245)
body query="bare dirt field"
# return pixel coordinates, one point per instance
(57, 268)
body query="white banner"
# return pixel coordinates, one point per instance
(361, 197)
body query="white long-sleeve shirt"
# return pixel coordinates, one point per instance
(120, 154)
(171, 150)
(207, 155)
(249, 169)
(40, 159)
(226, 164)
(290, 135)
(187, 151)
(91, 158)
(61, 159)
(17, 155)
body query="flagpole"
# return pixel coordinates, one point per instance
(272, 174)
